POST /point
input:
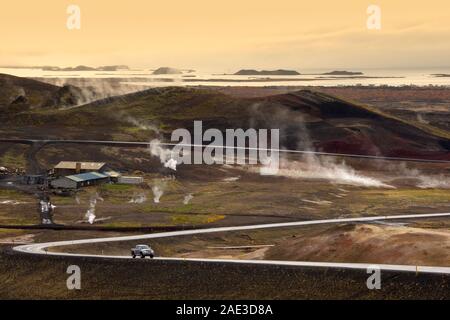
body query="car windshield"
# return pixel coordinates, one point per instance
(142, 247)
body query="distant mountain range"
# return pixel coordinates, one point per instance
(169, 70)
(86, 68)
(279, 72)
(342, 73)
(282, 72)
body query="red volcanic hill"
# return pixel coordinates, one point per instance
(336, 125)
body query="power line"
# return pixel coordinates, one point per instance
(147, 144)
(318, 153)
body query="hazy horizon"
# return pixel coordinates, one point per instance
(233, 69)
(227, 36)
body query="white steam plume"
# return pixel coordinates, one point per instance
(338, 173)
(141, 198)
(171, 163)
(93, 89)
(232, 179)
(424, 181)
(314, 167)
(434, 182)
(188, 198)
(90, 213)
(421, 119)
(157, 193)
(165, 155)
(140, 124)
(159, 187)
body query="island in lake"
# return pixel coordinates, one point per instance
(85, 68)
(342, 73)
(167, 70)
(279, 72)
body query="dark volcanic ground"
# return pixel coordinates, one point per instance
(44, 277)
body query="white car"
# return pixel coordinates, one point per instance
(143, 251)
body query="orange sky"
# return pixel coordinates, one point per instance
(226, 35)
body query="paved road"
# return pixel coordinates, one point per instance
(40, 248)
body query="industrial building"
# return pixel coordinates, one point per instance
(80, 180)
(65, 168)
(77, 174)
(130, 180)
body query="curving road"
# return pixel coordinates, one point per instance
(41, 248)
